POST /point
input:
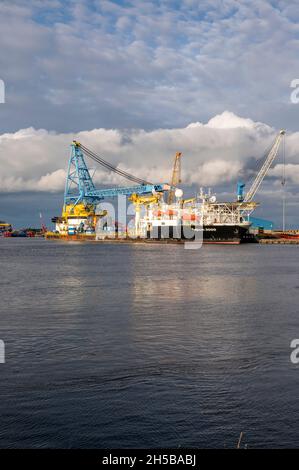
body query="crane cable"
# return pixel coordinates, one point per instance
(112, 168)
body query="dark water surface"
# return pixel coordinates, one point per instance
(144, 346)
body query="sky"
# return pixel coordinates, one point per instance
(137, 81)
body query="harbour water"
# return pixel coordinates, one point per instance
(148, 346)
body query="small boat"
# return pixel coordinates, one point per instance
(4, 227)
(19, 233)
(191, 217)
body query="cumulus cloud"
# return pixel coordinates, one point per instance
(214, 153)
(72, 65)
(290, 171)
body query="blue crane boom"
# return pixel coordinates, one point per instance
(80, 187)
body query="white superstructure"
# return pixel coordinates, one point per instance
(203, 210)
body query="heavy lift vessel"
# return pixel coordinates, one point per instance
(79, 214)
(218, 222)
(203, 217)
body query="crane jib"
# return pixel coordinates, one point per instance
(80, 186)
(265, 167)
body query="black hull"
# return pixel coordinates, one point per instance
(209, 234)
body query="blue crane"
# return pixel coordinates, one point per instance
(80, 187)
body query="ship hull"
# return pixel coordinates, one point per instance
(208, 234)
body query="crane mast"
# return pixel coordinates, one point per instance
(265, 168)
(176, 177)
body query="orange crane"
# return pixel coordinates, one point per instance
(176, 177)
